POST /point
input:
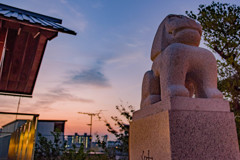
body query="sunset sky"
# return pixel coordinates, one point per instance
(102, 66)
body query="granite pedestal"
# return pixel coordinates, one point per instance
(183, 128)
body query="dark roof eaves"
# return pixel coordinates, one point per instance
(49, 120)
(62, 29)
(56, 20)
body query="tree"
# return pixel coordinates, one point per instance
(76, 154)
(121, 130)
(47, 149)
(221, 32)
(109, 152)
(56, 150)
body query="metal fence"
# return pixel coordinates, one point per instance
(20, 143)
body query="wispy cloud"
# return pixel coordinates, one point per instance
(45, 101)
(6, 106)
(97, 5)
(91, 76)
(72, 17)
(134, 44)
(60, 94)
(39, 106)
(63, 1)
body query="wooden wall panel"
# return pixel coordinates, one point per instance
(18, 57)
(3, 32)
(36, 64)
(25, 46)
(11, 38)
(29, 58)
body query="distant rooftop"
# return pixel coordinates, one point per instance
(29, 17)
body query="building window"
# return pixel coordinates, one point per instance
(59, 126)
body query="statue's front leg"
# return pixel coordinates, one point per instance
(209, 75)
(173, 68)
(150, 89)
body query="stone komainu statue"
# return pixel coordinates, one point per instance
(180, 67)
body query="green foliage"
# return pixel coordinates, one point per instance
(73, 154)
(110, 152)
(48, 150)
(221, 32)
(120, 131)
(56, 150)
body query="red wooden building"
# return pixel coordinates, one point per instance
(23, 38)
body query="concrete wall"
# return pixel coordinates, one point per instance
(4, 143)
(13, 126)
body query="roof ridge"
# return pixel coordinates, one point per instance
(29, 17)
(22, 11)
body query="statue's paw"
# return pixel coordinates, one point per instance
(151, 99)
(178, 90)
(213, 93)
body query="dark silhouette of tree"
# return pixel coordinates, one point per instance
(120, 130)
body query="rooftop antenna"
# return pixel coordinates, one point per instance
(91, 116)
